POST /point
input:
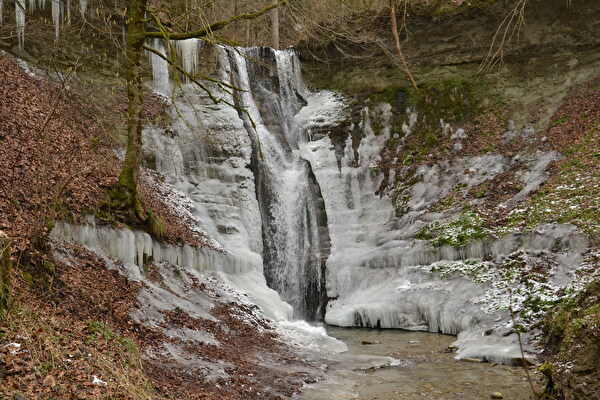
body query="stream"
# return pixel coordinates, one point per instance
(423, 368)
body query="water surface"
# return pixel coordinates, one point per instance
(395, 364)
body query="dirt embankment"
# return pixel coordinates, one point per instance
(69, 332)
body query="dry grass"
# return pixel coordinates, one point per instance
(59, 357)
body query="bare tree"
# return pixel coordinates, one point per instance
(397, 42)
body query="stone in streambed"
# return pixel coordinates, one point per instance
(497, 395)
(366, 342)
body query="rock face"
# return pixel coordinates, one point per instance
(572, 336)
(556, 49)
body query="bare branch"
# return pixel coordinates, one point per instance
(398, 47)
(195, 80)
(212, 27)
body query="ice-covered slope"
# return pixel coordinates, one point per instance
(379, 274)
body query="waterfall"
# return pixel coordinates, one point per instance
(188, 53)
(292, 223)
(293, 233)
(160, 69)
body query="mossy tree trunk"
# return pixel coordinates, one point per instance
(5, 271)
(125, 195)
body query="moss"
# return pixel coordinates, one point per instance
(479, 194)
(573, 315)
(468, 227)
(98, 330)
(156, 226)
(572, 341)
(39, 275)
(559, 121)
(546, 369)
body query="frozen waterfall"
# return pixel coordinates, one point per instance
(294, 237)
(286, 181)
(288, 218)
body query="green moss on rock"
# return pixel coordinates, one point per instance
(572, 337)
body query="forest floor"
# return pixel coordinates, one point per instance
(68, 333)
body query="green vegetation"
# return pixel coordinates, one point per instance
(99, 331)
(571, 196)
(560, 121)
(570, 335)
(468, 227)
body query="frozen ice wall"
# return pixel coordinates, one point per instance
(378, 273)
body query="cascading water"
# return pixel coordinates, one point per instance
(293, 233)
(20, 17)
(294, 228)
(56, 15)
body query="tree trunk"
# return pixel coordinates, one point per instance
(125, 195)
(5, 271)
(274, 14)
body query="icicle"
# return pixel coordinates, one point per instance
(188, 52)
(56, 17)
(83, 6)
(32, 6)
(69, 12)
(20, 14)
(1, 6)
(160, 69)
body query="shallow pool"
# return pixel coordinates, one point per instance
(395, 364)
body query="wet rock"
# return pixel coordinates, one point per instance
(497, 395)
(366, 342)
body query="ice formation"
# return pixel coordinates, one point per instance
(297, 210)
(20, 16)
(56, 16)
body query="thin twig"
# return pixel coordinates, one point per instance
(518, 332)
(398, 47)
